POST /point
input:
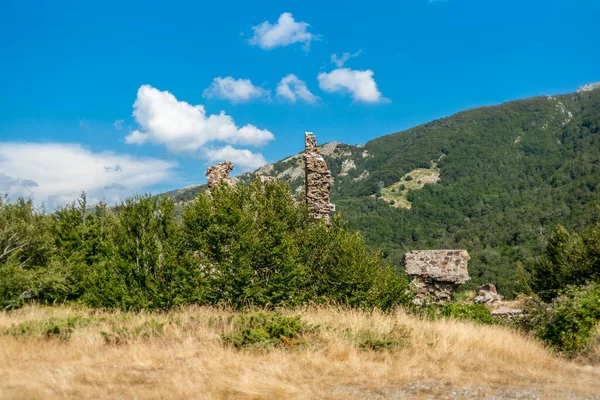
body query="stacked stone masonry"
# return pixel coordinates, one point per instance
(316, 180)
(218, 173)
(436, 273)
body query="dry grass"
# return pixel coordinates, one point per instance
(189, 360)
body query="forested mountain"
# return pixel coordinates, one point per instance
(493, 180)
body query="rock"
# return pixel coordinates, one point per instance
(347, 166)
(316, 180)
(589, 87)
(488, 295)
(508, 313)
(218, 173)
(436, 273)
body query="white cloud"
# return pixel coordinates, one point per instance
(185, 128)
(56, 173)
(285, 32)
(235, 90)
(339, 62)
(360, 84)
(291, 88)
(242, 158)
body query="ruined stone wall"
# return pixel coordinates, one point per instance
(436, 273)
(218, 173)
(316, 179)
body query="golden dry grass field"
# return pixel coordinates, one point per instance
(181, 355)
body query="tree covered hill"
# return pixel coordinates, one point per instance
(504, 177)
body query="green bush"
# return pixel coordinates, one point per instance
(245, 245)
(27, 268)
(398, 337)
(478, 313)
(60, 328)
(569, 322)
(265, 330)
(569, 259)
(258, 247)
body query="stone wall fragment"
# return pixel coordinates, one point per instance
(436, 273)
(316, 180)
(218, 173)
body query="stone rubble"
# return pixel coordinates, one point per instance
(316, 180)
(436, 273)
(218, 173)
(488, 295)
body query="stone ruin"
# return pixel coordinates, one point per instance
(488, 295)
(316, 180)
(436, 273)
(218, 173)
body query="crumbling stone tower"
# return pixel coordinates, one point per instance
(218, 173)
(316, 180)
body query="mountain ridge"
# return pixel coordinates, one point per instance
(508, 174)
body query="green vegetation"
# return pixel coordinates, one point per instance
(398, 337)
(569, 322)
(509, 175)
(570, 259)
(472, 312)
(565, 281)
(237, 246)
(499, 199)
(397, 193)
(265, 330)
(60, 328)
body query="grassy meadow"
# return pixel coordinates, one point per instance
(340, 353)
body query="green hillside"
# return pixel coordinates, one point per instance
(508, 175)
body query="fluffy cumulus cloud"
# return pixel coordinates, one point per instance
(291, 88)
(243, 157)
(340, 61)
(283, 33)
(186, 128)
(360, 84)
(234, 90)
(55, 173)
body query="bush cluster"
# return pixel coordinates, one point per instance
(565, 283)
(238, 246)
(568, 323)
(263, 330)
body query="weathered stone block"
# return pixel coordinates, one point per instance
(436, 273)
(440, 265)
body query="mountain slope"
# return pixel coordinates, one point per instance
(508, 174)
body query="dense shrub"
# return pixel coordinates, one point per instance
(264, 330)
(568, 323)
(478, 313)
(257, 246)
(246, 245)
(27, 268)
(569, 259)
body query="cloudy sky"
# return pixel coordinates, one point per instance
(117, 97)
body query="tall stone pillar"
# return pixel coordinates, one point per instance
(316, 180)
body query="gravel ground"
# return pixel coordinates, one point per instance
(425, 390)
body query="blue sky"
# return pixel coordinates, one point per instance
(114, 97)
